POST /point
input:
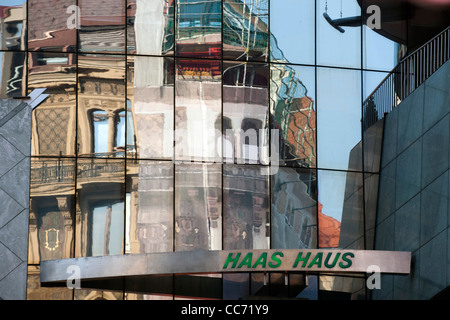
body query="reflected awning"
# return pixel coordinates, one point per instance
(411, 22)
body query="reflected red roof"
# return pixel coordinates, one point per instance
(329, 230)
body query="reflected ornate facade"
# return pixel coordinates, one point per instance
(157, 137)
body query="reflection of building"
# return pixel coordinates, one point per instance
(156, 138)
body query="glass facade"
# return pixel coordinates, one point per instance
(186, 125)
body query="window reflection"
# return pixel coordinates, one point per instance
(199, 28)
(150, 94)
(52, 192)
(338, 118)
(12, 75)
(48, 25)
(53, 126)
(340, 209)
(100, 207)
(37, 292)
(246, 30)
(292, 28)
(197, 108)
(101, 103)
(246, 212)
(198, 207)
(294, 209)
(13, 25)
(149, 206)
(102, 26)
(245, 113)
(335, 48)
(294, 113)
(150, 27)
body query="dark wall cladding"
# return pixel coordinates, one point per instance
(414, 190)
(166, 119)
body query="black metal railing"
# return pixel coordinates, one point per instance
(407, 76)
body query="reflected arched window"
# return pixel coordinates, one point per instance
(120, 130)
(100, 124)
(108, 131)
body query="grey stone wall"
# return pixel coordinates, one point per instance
(14, 197)
(413, 204)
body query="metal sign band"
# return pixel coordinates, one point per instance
(222, 261)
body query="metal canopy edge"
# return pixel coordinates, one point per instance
(224, 261)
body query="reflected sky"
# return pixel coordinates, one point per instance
(338, 99)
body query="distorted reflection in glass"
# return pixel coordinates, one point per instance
(246, 30)
(91, 294)
(101, 101)
(294, 208)
(340, 209)
(198, 110)
(150, 94)
(102, 26)
(384, 45)
(245, 113)
(52, 209)
(334, 47)
(292, 28)
(338, 118)
(12, 74)
(53, 123)
(52, 27)
(199, 29)
(292, 100)
(149, 202)
(13, 25)
(37, 292)
(150, 27)
(100, 207)
(198, 207)
(246, 211)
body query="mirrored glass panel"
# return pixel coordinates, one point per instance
(341, 209)
(346, 288)
(198, 106)
(385, 34)
(54, 121)
(339, 119)
(149, 207)
(101, 102)
(292, 28)
(150, 27)
(245, 113)
(236, 286)
(338, 33)
(12, 74)
(293, 111)
(294, 208)
(52, 26)
(52, 209)
(36, 292)
(90, 294)
(246, 30)
(245, 209)
(13, 21)
(198, 207)
(199, 29)
(100, 207)
(102, 26)
(150, 100)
